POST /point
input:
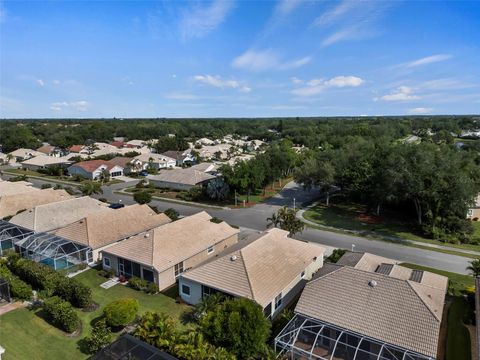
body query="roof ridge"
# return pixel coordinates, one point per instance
(409, 282)
(246, 273)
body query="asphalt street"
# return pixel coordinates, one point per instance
(255, 218)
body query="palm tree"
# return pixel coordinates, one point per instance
(273, 220)
(474, 267)
(207, 304)
(9, 158)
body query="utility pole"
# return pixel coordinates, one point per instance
(235, 198)
(294, 204)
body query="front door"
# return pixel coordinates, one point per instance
(121, 269)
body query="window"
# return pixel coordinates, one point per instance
(185, 290)
(278, 301)
(178, 269)
(210, 250)
(148, 275)
(106, 262)
(302, 275)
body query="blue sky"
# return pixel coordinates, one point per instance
(238, 58)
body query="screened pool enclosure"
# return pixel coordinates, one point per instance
(306, 338)
(10, 234)
(52, 250)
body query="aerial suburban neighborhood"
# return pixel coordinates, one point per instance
(239, 180)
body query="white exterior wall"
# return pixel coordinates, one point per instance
(195, 291)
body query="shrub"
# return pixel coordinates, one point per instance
(121, 312)
(336, 255)
(61, 314)
(152, 288)
(18, 289)
(142, 197)
(238, 325)
(46, 186)
(137, 283)
(172, 214)
(50, 282)
(100, 337)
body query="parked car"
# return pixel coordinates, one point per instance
(143, 173)
(116, 206)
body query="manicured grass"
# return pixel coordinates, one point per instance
(32, 173)
(25, 335)
(458, 337)
(257, 196)
(354, 217)
(458, 282)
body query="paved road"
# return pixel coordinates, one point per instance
(255, 218)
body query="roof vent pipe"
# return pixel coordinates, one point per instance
(233, 257)
(372, 283)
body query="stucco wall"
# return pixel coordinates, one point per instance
(167, 277)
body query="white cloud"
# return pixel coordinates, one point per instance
(40, 82)
(295, 63)
(256, 60)
(345, 81)
(403, 93)
(266, 60)
(296, 80)
(81, 105)
(217, 81)
(429, 60)
(56, 82)
(335, 13)
(420, 110)
(352, 20)
(285, 7)
(316, 86)
(201, 20)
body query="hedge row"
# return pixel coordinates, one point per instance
(143, 285)
(61, 314)
(43, 277)
(18, 289)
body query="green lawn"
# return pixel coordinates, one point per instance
(25, 335)
(458, 282)
(354, 217)
(458, 337)
(257, 196)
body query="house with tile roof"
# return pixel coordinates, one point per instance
(24, 154)
(162, 254)
(77, 149)
(93, 169)
(180, 179)
(102, 229)
(151, 160)
(181, 157)
(365, 307)
(42, 162)
(13, 203)
(15, 187)
(50, 150)
(270, 270)
(52, 216)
